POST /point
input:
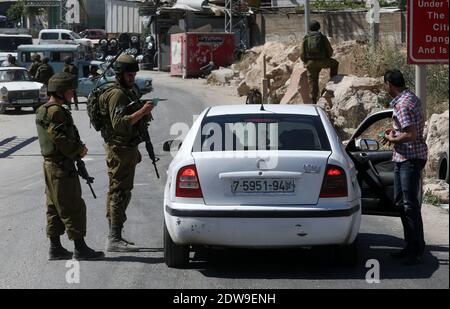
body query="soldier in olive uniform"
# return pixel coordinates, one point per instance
(60, 144)
(33, 68)
(316, 52)
(44, 72)
(121, 145)
(72, 69)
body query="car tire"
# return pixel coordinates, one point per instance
(347, 255)
(442, 170)
(175, 256)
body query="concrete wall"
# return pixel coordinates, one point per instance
(340, 26)
(122, 16)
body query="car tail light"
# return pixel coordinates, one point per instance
(334, 182)
(188, 184)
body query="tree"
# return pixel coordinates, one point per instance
(19, 9)
(16, 11)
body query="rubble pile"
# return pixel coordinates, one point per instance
(437, 141)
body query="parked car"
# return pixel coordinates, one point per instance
(86, 84)
(82, 60)
(62, 36)
(18, 90)
(10, 42)
(93, 34)
(55, 52)
(226, 189)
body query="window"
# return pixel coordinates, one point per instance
(262, 132)
(59, 56)
(14, 75)
(49, 36)
(27, 56)
(65, 36)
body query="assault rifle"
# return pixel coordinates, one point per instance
(83, 173)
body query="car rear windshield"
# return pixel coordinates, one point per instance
(9, 44)
(262, 132)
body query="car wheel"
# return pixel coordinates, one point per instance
(174, 255)
(442, 172)
(347, 255)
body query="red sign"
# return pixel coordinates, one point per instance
(428, 31)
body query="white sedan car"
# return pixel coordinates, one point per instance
(275, 177)
(18, 90)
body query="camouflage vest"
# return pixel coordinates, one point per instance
(48, 148)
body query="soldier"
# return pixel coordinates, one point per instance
(316, 52)
(44, 72)
(60, 145)
(33, 68)
(70, 68)
(121, 145)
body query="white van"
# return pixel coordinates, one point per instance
(10, 42)
(62, 36)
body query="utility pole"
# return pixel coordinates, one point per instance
(421, 86)
(307, 19)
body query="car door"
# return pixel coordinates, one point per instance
(373, 161)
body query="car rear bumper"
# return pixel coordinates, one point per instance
(256, 227)
(15, 104)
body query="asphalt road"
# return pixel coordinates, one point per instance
(23, 245)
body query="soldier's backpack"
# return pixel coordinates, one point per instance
(93, 108)
(254, 97)
(314, 44)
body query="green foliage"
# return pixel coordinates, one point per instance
(19, 9)
(430, 198)
(345, 4)
(15, 11)
(374, 62)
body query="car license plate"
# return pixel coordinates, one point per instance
(263, 186)
(27, 101)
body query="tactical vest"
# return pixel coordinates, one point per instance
(107, 132)
(314, 45)
(48, 148)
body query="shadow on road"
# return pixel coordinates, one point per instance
(135, 259)
(314, 264)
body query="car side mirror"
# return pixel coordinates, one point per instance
(167, 147)
(367, 144)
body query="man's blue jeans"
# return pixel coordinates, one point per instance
(408, 199)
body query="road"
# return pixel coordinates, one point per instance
(23, 245)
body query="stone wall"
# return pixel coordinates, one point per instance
(340, 26)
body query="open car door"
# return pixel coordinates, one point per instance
(374, 164)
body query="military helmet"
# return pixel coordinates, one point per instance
(61, 82)
(314, 25)
(36, 57)
(126, 63)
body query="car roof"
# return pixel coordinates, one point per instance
(302, 109)
(16, 35)
(55, 30)
(38, 48)
(12, 68)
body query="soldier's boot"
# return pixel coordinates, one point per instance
(121, 236)
(57, 251)
(83, 252)
(116, 243)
